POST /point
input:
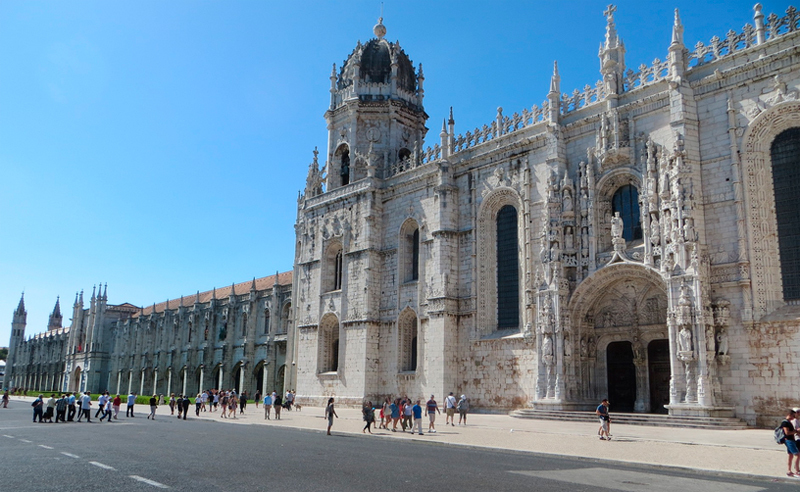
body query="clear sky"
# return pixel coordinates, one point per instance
(159, 146)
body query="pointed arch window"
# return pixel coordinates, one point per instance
(266, 321)
(507, 269)
(626, 202)
(337, 271)
(785, 153)
(328, 345)
(345, 167)
(407, 343)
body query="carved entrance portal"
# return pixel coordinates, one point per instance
(75, 381)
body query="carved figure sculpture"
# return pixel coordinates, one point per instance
(567, 202)
(616, 226)
(655, 232)
(583, 347)
(685, 339)
(722, 342)
(547, 346)
(567, 345)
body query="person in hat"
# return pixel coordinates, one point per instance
(463, 407)
(605, 420)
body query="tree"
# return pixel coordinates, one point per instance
(3, 353)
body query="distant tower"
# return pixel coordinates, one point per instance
(376, 115)
(56, 319)
(17, 336)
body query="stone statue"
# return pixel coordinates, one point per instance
(685, 339)
(592, 347)
(722, 342)
(567, 202)
(567, 346)
(655, 232)
(547, 346)
(616, 226)
(583, 347)
(568, 239)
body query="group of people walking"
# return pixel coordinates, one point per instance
(409, 413)
(64, 407)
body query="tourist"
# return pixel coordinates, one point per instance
(386, 413)
(161, 400)
(61, 409)
(289, 400)
(463, 408)
(417, 411)
(791, 444)
(394, 411)
(37, 408)
(450, 409)
(369, 417)
(70, 407)
(5, 399)
(233, 401)
(198, 404)
(186, 403)
(131, 401)
(50, 408)
(179, 404)
(153, 407)
(276, 404)
(605, 420)
(86, 407)
(107, 411)
(329, 414)
(431, 409)
(172, 404)
(116, 403)
(101, 404)
(267, 405)
(242, 402)
(257, 398)
(223, 403)
(216, 399)
(408, 414)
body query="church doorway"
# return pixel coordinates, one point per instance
(75, 381)
(621, 376)
(659, 373)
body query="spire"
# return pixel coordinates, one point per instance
(197, 298)
(75, 304)
(57, 308)
(93, 295)
(253, 285)
(677, 30)
(555, 80)
(451, 121)
(105, 291)
(80, 299)
(276, 278)
(612, 41)
(233, 288)
(181, 304)
(214, 293)
(21, 306)
(55, 321)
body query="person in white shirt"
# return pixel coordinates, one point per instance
(101, 404)
(131, 402)
(450, 409)
(86, 406)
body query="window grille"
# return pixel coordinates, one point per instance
(507, 269)
(786, 181)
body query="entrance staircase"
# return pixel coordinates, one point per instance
(649, 419)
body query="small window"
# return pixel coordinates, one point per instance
(334, 259)
(337, 272)
(345, 167)
(403, 154)
(407, 331)
(329, 345)
(626, 202)
(244, 324)
(266, 321)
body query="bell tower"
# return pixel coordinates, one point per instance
(376, 119)
(17, 337)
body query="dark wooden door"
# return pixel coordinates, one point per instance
(621, 376)
(658, 362)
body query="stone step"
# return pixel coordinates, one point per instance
(649, 419)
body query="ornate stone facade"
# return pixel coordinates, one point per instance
(645, 262)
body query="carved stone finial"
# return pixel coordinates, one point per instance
(555, 80)
(677, 30)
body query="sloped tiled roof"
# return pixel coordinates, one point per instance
(262, 283)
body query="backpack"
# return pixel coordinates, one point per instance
(780, 434)
(460, 405)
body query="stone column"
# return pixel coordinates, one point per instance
(202, 369)
(219, 382)
(264, 381)
(141, 383)
(130, 381)
(241, 378)
(155, 381)
(169, 381)
(183, 388)
(119, 380)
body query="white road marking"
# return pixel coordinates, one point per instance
(6, 435)
(45, 447)
(71, 455)
(149, 482)
(631, 481)
(101, 465)
(25, 440)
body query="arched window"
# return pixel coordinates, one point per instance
(189, 332)
(286, 326)
(785, 154)
(345, 167)
(408, 252)
(415, 255)
(328, 345)
(403, 154)
(626, 202)
(407, 341)
(244, 324)
(334, 258)
(507, 269)
(266, 321)
(337, 271)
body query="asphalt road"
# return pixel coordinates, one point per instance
(139, 454)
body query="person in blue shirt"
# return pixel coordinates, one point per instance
(417, 411)
(267, 405)
(395, 409)
(605, 420)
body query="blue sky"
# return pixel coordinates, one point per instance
(159, 146)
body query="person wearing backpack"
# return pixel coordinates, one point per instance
(785, 434)
(463, 408)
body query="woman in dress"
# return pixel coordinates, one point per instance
(330, 412)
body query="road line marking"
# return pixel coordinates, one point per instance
(45, 447)
(101, 465)
(6, 435)
(149, 482)
(25, 440)
(71, 455)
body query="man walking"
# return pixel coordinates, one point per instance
(417, 410)
(131, 401)
(101, 404)
(431, 409)
(450, 408)
(61, 409)
(70, 407)
(186, 403)
(605, 420)
(86, 407)
(267, 405)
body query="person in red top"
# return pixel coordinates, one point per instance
(116, 403)
(430, 410)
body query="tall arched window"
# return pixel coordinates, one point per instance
(407, 341)
(334, 256)
(415, 255)
(785, 154)
(337, 273)
(507, 269)
(345, 167)
(244, 324)
(626, 202)
(266, 321)
(328, 350)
